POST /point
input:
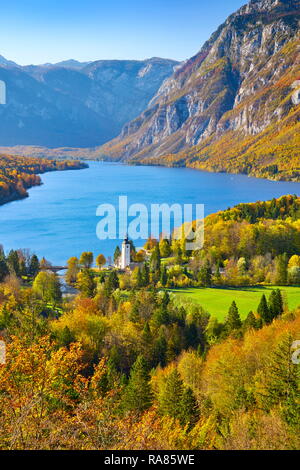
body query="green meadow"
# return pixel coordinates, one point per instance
(218, 300)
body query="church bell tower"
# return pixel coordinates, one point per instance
(125, 254)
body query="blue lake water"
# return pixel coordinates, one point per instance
(59, 220)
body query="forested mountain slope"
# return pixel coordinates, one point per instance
(235, 106)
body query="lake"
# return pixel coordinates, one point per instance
(59, 220)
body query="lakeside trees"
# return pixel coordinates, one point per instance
(17, 174)
(100, 261)
(47, 287)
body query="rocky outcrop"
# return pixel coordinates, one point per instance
(244, 79)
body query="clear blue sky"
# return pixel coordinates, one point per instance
(38, 31)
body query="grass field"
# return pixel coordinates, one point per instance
(217, 301)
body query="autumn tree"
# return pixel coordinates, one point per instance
(100, 261)
(294, 275)
(47, 381)
(140, 256)
(73, 269)
(242, 266)
(86, 259)
(47, 287)
(86, 283)
(150, 243)
(294, 261)
(281, 275)
(164, 248)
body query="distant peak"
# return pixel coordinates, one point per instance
(4, 61)
(70, 63)
(161, 59)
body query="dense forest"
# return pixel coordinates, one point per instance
(272, 154)
(120, 365)
(17, 174)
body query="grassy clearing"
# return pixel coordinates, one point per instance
(217, 301)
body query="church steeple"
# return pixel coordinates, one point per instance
(125, 254)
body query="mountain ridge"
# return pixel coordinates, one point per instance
(85, 105)
(243, 80)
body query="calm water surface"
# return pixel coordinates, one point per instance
(59, 219)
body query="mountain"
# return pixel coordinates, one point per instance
(232, 107)
(69, 64)
(6, 62)
(36, 113)
(76, 104)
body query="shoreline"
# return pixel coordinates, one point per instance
(93, 154)
(205, 170)
(19, 196)
(83, 165)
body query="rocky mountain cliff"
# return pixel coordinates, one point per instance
(232, 107)
(75, 104)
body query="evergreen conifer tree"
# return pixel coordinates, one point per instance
(264, 311)
(134, 315)
(189, 409)
(66, 337)
(205, 275)
(170, 397)
(139, 278)
(165, 299)
(275, 304)
(250, 322)
(160, 349)
(163, 276)
(233, 320)
(281, 383)
(145, 275)
(117, 254)
(155, 259)
(13, 262)
(138, 395)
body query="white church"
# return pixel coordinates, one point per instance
(124, 261)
